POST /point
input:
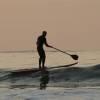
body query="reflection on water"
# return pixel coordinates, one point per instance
(44, 78)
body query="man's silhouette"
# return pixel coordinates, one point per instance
(40, 42)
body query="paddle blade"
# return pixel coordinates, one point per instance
(75, 57)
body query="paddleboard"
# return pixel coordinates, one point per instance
(34, 70)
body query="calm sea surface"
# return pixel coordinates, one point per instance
(30, 59)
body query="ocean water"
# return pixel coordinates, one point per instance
(30, 59)
(80, 81)
(86, 71)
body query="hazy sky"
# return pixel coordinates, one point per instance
(71, 24)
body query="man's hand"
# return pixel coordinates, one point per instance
(50, 46)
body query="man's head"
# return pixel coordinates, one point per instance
(44, 33)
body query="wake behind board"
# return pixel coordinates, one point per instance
(34, 70)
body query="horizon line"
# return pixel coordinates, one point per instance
(23, 51)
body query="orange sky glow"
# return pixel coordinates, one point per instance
(71, 24)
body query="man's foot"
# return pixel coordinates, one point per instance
(44, 68)
(40, 67)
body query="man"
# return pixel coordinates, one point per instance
(40, 42)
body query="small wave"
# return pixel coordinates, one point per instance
(64, 77)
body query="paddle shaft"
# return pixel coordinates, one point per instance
(61, 51)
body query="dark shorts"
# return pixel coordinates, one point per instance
(41, 52)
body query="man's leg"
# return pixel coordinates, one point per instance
(43, 59)
(43, 62)
(40, 60)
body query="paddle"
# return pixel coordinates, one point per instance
(75, 57)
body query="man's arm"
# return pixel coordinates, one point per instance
(47, 44)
